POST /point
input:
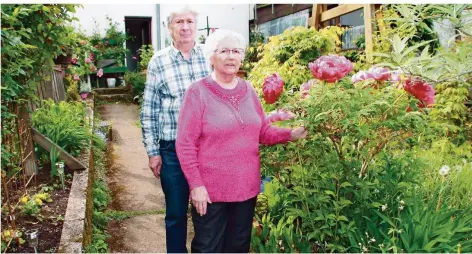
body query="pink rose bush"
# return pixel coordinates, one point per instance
(100, 73)
(421, 90)
(330, 68)
(272, 88)
(280, 115)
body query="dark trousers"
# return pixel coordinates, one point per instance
(226, 227)
(176, 193)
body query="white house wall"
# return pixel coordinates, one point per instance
(227, 16)
(117, 12)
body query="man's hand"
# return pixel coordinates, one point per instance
(199, 196)
(155, 163)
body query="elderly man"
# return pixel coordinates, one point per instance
(170, 73)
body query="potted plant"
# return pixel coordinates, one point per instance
(82, 65)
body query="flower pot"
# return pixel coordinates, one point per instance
(111, 82)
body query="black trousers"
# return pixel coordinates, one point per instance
(226, 227)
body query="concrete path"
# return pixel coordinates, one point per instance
(133, 185)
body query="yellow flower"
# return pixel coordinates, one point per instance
(38, 201)
(6, 234)
(24, 199)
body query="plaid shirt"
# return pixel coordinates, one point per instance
(168, 77)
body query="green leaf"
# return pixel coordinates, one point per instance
(342, 218)
(376, 204)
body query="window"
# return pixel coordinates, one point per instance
(278, 26)
(355, 20)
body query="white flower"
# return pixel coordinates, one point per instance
(381, 245)
(400, 207)
(402, 202)
(444, 170)
(400, 231)
(372, 240)
(364, 249)
(384, 207)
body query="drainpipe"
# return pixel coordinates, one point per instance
(158, 25)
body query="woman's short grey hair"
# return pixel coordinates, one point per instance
(186, 9)
(220, 35)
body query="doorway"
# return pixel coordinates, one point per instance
(139, 29)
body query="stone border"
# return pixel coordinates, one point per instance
(77, 227)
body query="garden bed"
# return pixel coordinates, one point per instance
(48, 220)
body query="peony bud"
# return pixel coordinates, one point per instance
(272, 88)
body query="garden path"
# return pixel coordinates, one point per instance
(133, 185)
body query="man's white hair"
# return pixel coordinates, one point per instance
(220, 35)
(186, 9)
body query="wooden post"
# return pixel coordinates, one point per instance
(368, 24)
(315, 16)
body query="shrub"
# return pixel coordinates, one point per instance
(137, 80)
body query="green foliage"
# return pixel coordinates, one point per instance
(253, 50)
(32, 36)
(367, 177)
(290, 52)
(72, 92)
(145, 53)
(30, 208)
(64, 124)
(137, 80)
(113, 45)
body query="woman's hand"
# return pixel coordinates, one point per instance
(200, 198)
(298, 133)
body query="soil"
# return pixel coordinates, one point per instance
(48, 221)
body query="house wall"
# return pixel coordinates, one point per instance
(98, 12)
(224, 16)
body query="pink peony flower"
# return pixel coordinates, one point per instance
(330, 68)
(100, 73)
(379, 73)
(272, 88)
(305, 87)
(396, 76)
(76, 77)
(88, 60)
(280, 115)
(421, 90)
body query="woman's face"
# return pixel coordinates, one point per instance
(227, 58)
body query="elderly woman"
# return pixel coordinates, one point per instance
(221, 124)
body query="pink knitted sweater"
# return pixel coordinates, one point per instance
(218, 136)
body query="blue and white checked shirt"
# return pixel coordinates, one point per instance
(168, 77)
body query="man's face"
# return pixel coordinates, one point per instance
(182, 29)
